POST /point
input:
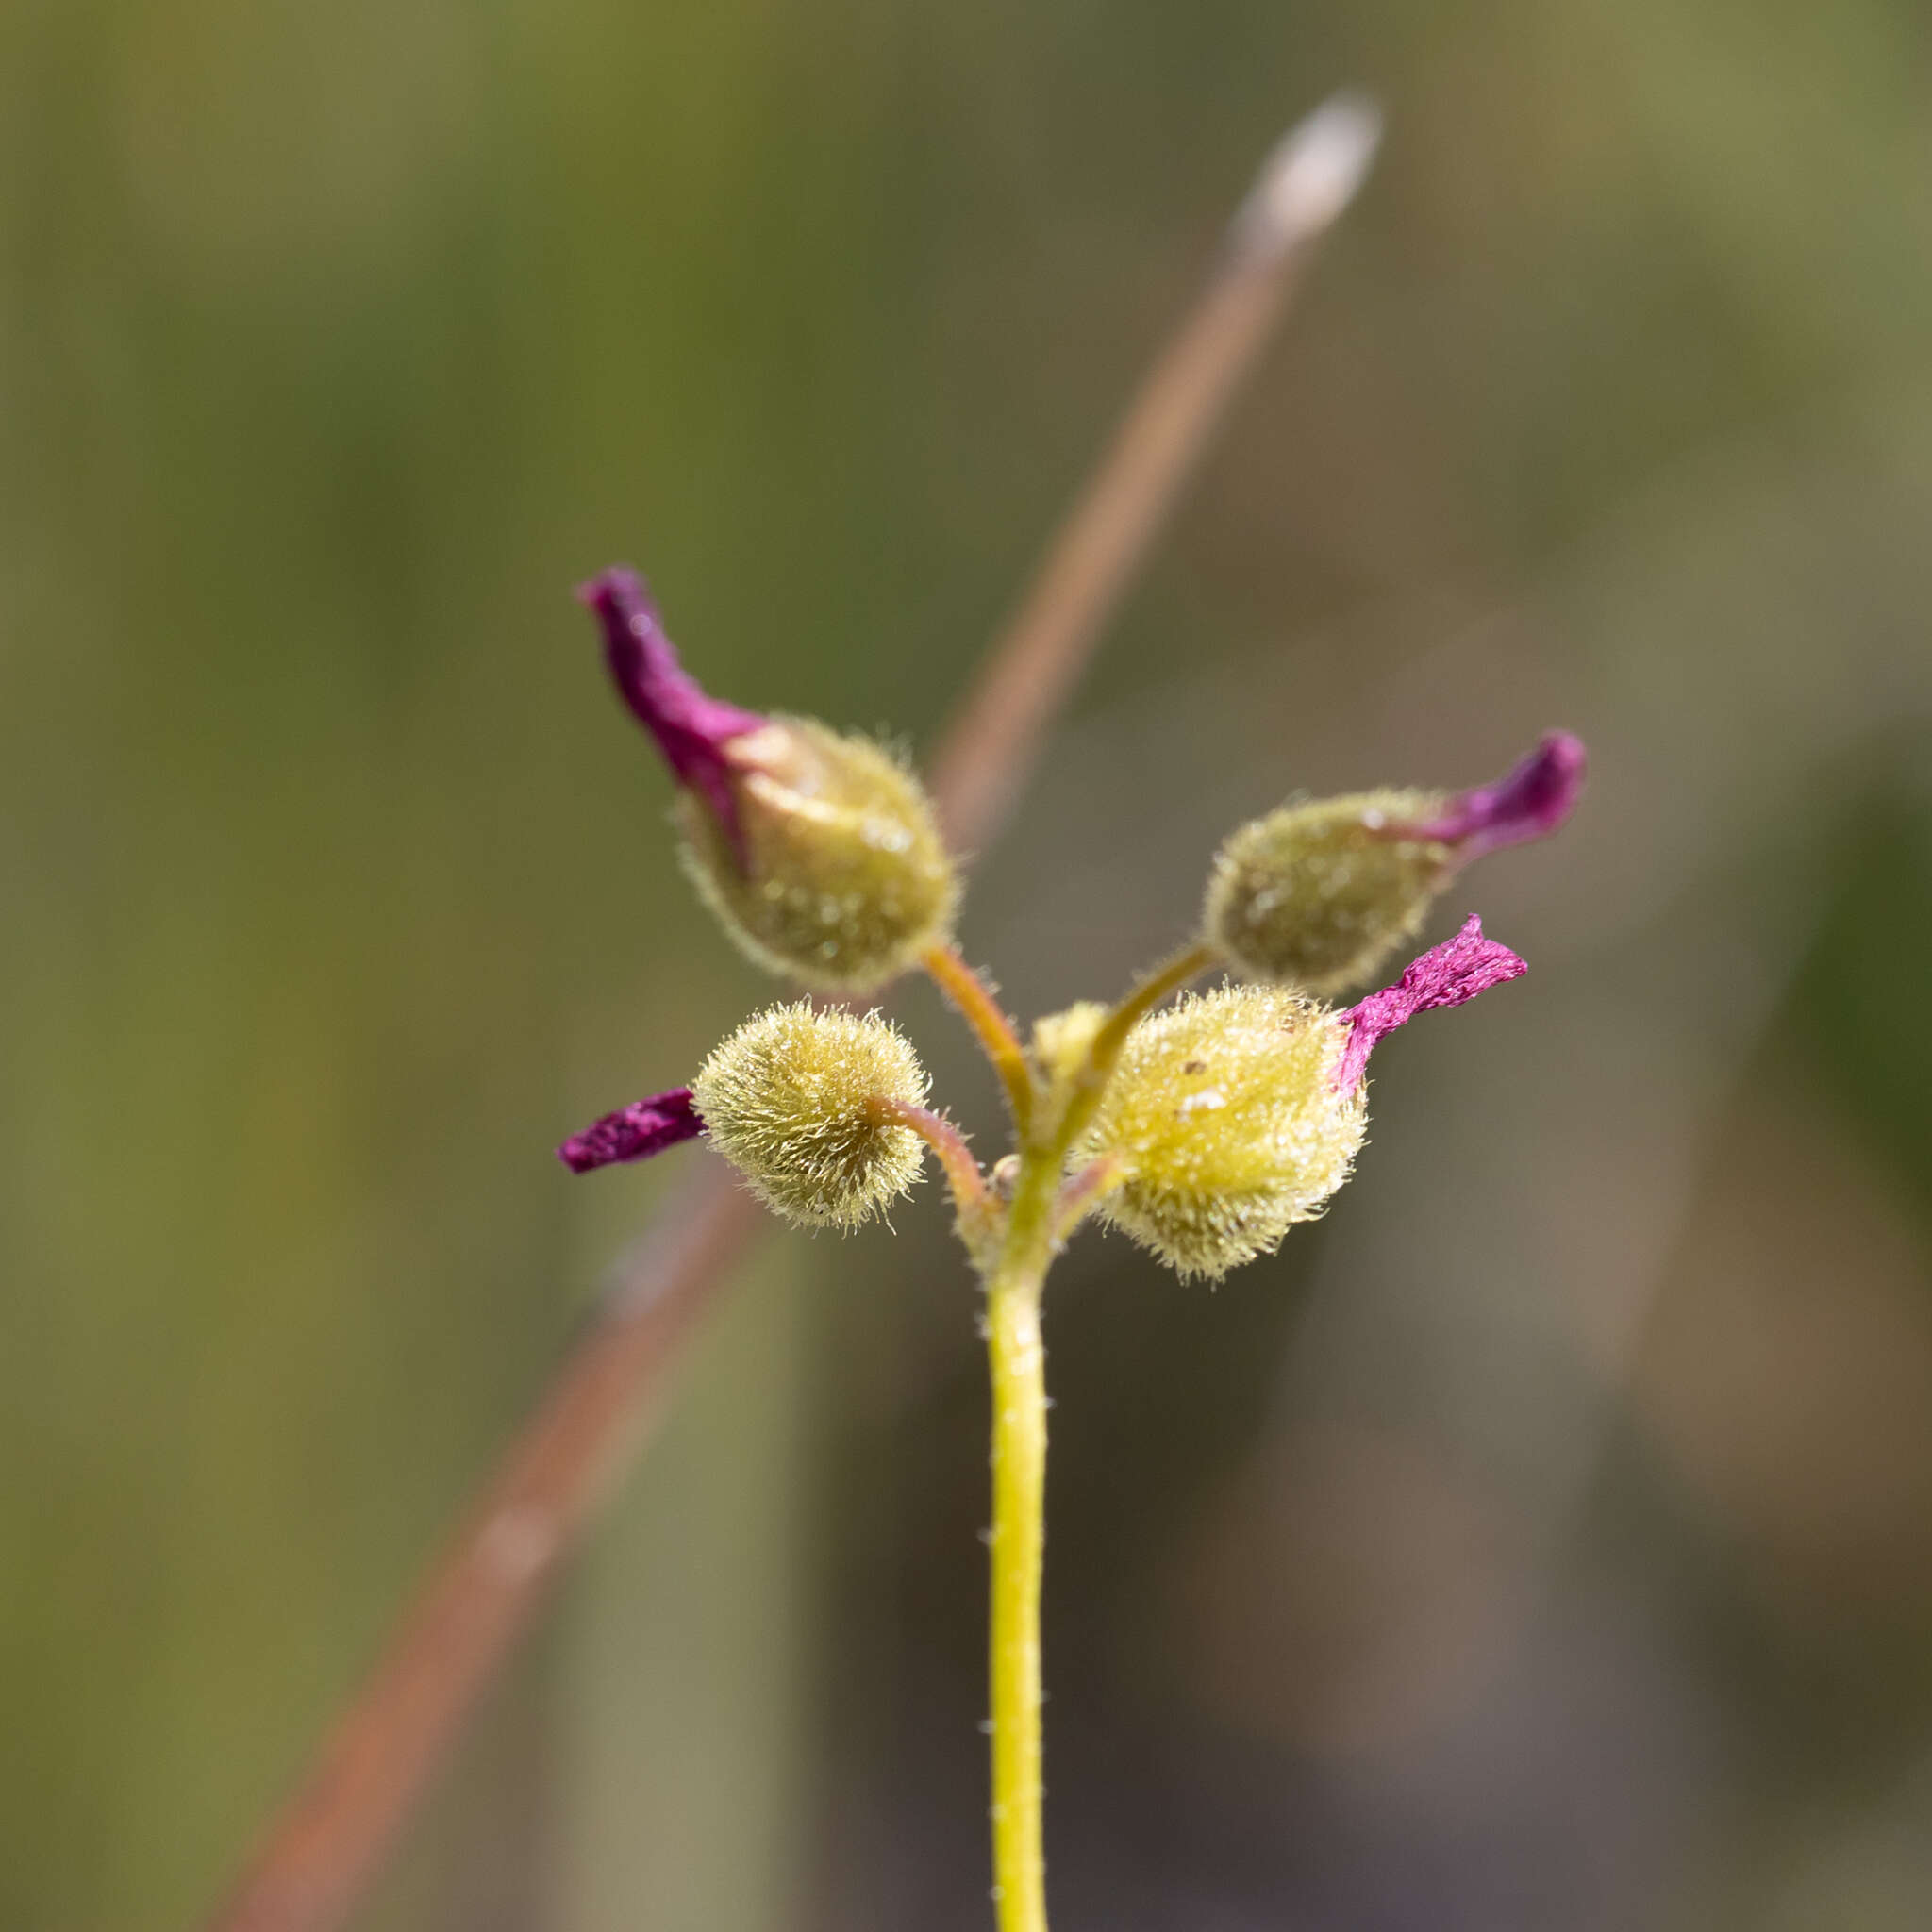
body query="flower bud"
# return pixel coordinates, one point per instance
(1061, 1042)
(844, 879)
(1237, 1113)
(790, 1100)
(819, 852)
(1317, 895)
(1228, 1123)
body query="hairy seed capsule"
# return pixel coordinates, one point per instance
(789, 1099)
(1317, 895)
(837, 874)
(1225, 1117)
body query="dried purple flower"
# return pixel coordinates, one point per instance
(691, 727)
(1529, 803)
(1445, 975)
(634, 1133)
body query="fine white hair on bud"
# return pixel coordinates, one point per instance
(1317, 895)
(834, 872)
(1224, 1115)
(791, 1100)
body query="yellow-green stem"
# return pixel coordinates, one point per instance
(1018, 1361)
(974, 1002)
(1103, 1056)
(1041, 1215)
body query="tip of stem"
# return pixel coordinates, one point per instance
(1311, 176)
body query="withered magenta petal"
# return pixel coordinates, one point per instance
(1530, 803)
(1445, 975)
(634, 1133)
(691, 727)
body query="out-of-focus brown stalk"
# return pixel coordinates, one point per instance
(317, 1854)
(1033, 666)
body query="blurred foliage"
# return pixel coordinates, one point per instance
(1867, 975)
(1465, 1566)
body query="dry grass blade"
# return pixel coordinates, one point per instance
(1033, 666)
(317, 1854)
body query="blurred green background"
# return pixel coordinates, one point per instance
(1544, 1539)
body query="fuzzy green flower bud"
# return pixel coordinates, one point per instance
(820, 853)
(1237, 1113)
(844, 879)
(1318, 895)
(1229, 1125)
(791, 1100)
(1061, 1042)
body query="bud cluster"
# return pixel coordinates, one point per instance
(1204, 1131)
(1201, 1125)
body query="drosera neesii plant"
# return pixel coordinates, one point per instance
(1204, 1127)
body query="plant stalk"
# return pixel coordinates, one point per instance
(974, 1002)
(1041, 1216)
(317, 1854)
(1017, 1358)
